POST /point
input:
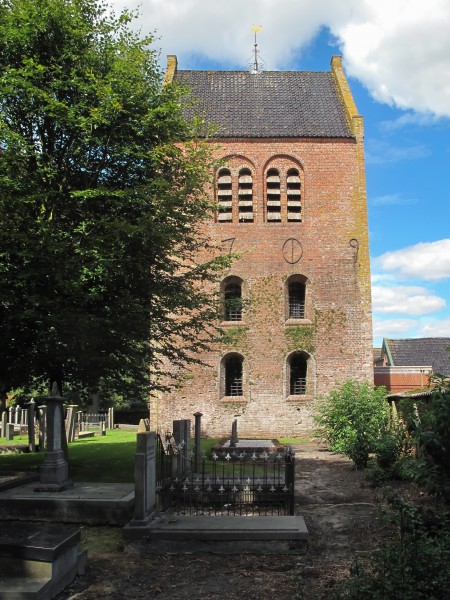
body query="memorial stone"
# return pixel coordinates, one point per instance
(31, 425)
(54, 472)
(9, 432)
(4, 422)
(145, 478)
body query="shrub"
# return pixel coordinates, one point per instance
(352, 418)
(414, 565)
(429, 427)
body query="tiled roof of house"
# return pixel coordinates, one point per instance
(420, 351)
(376, 353)
(270, 104)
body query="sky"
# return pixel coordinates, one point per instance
(396, 54)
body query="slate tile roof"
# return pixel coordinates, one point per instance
(421, 351)
(270, 104)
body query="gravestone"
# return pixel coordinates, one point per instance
(42, 418)
(31, 431)
(70, 422)
(234, 435)
(4, 422)
(182, 434)
(144, 425)
(9, 432)
(54, 472)
(145, 478)
(110, 418)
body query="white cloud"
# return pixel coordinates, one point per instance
(429, 261)
(399, 50)
(380, 152)
(410, 300)
(392, 327)
(391, 199)
(437, 329)
(408, 119)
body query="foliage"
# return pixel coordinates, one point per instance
(413, 565)
(100, 205)
(429, 428)
(352, 418)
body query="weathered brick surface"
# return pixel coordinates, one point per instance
(336, 332)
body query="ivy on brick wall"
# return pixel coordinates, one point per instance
(300, 338)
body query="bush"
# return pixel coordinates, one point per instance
(414, 565)
(429, 427)
(352, 419)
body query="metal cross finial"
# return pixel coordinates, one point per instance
(256, 68)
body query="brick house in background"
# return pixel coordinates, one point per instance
(407, 363)
(291, 198)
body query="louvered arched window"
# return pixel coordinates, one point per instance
(245, 196)
(294, 205)
(224, 196)
(273, 191)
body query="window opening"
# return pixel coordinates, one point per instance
(298, 369)
(224, 196)
(233, 302)
(294, 205)
(296, 300)
(273, 196)
(245, 196)
(233, 376)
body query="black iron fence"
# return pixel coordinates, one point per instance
(228, 483)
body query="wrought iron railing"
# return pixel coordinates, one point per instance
(234, 483)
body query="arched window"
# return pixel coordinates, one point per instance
(273, 202)
(233, 300)
(294, 205)
(224, 196)
(296, 291)
(245, 196)
(232, 375)
(297, 373)
(296, 297)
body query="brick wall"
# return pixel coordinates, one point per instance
(336, 333)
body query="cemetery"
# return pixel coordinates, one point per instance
(183, 497)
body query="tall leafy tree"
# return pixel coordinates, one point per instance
(99, 203)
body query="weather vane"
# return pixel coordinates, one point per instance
(256, 64)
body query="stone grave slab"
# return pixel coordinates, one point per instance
(38, 561)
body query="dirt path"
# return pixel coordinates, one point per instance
(342, 515)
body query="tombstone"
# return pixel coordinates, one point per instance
(234, 435)
(70, 422)
(145, 478)
(144, 425)
(42, 417)
(80, 421)
(110, 418)
(31, 430)
(4, 422)
(9, 432)
(181, 434)
(54, 472)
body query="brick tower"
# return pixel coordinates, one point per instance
(291, 199)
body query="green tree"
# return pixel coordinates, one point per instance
(352, 419)
(100, 205)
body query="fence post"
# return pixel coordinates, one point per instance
(290, 481)
(198, 418)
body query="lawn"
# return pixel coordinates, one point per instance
(109, 458)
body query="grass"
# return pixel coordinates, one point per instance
(104, 459)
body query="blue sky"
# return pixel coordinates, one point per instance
(396, 54)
